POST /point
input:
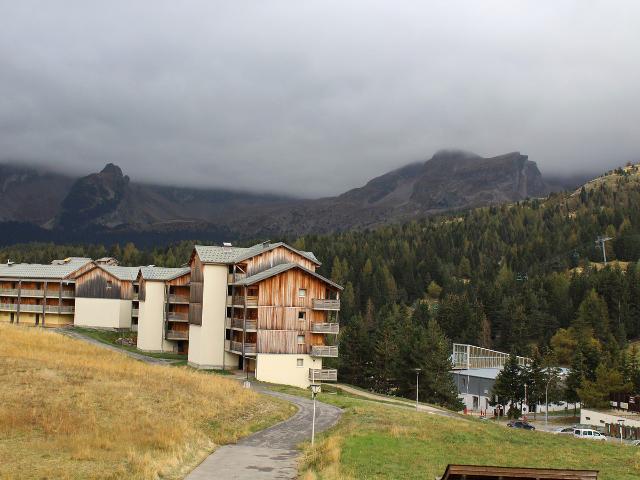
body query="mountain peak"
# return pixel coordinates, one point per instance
(112, 169)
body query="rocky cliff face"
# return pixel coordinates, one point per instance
(450, 180)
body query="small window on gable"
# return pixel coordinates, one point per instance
(302, 292)
(300, 362)
(109, 284)
(300, 339)
(302, 315)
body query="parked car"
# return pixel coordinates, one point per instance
(589, 434)
(520, 424)
(565, 431)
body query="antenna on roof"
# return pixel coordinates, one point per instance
(266, 243)
(9, 263)
(226, 244)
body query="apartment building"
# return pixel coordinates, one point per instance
(163, 311)
(104, 296)
(40, 294)
(262, 309)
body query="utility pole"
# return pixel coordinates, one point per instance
(600, 241)
(417, 370)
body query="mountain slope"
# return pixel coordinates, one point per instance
(109, 203)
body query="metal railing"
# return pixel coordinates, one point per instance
(323, 374)
(13, 292)
(326, 304)
(9, 307)
(324, 351)
(9, 292)
(177, 317)
(135, 312)
(325, 328)
(13, 307)
(177, 335)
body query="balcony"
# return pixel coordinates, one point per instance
(238, 324)
(236, 347)
(8, 292)
(324, 351)
(323, 375)
(177, 317)
(178, 299)
(325, 328)
(238, 301)
(63, 309)
(8, 307)
(332, 304)
(135, 312)
(177, 335)
(236, 277)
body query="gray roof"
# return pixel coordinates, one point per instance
(121, 273)
(230, 255)
(58, 269)
(283, 267)
(161, 273)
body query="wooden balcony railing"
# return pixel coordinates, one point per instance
(325, 328)
(238, 300)
(8, 307)
(233, 278)
(236, 347)
(326, 304)
(135, 312)
(13, 292)
(324, 351)
(9, 292)
(64, 309)
(177, 335)
(177, 317)
(178, 299)
(237, 324)
(323, 375)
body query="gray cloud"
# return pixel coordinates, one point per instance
(314, 97)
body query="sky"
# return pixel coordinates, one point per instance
(311, 98)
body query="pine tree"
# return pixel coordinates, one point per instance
(509, 386)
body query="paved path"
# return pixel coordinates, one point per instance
(266, 455)
(270, 453)
(138, 356)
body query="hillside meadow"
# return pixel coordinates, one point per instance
(381, 441)
(70, 410)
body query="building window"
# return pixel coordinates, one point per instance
(300, 339)
(109, 284)
(300, 362)
(302, 315)
(302, 292)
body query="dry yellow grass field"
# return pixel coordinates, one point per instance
(73, 410)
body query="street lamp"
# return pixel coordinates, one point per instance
(417, 370)
(621, 423)
(315, 389)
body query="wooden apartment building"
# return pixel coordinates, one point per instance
(263, 309)
(40, 294)
(163, 315)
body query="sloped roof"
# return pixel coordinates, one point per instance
(229, 255)
(121, 273)
(278, 269)
(58, 269)
(162, 273)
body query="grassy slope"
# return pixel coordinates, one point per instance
(73, 410)
(378, 441)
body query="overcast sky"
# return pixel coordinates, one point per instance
(312, 98)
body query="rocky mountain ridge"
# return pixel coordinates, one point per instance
(108, 203)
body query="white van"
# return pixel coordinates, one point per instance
(589, 433)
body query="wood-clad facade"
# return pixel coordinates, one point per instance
(99, 283)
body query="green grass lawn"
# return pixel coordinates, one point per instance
(381, 441)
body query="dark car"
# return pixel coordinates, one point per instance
(520, 424)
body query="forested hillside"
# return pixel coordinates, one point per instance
(517, 277)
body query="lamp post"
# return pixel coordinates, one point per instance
(315, 389)
(417, 370)
(621, 423)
